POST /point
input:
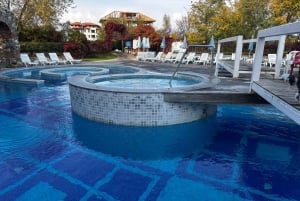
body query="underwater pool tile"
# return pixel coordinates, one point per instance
(213, 166)
(125, 185)
(277, 183)
(12, 105)
(95, 198)
(42, 191)
(13, 170)
(84, 167)
(49, 181)
(183, 189)
(227, 143)
(46, 150)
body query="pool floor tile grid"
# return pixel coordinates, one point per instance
(94, 175)
(46, 170)
(123, 173)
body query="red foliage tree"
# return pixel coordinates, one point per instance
(110, 29)
(78, 50)
(148, 31)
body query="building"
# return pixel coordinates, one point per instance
(128, 18)
(89, 29)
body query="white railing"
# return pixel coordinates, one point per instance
(238, 55)
(267, 34)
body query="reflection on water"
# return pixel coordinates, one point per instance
(144, 143)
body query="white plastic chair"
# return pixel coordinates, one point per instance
(203, 59)
(168, 57)
(27, 61)
(190, 58)
(158, 57)
(178, 57)
(70, 59)
(53, 56)
(43, 59)
(271, 60)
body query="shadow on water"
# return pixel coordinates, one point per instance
(144, 143)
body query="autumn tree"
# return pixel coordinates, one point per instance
(253, 16)
(201, 15)
(226, 23)
(148, 31)
(34, 13)
(285, 11)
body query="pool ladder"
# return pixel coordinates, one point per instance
(180, 62)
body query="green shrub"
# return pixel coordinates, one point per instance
(33, 47)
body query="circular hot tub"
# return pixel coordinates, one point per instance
(137, 99)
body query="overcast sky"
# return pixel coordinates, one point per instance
(93, 10)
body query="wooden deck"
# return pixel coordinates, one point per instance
(214, 97)
(228, 91)
(280, 89)
(280, 95)
(244, 67)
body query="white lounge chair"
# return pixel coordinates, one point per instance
(203, 59)
(147, 56)
(190, 58)
(178, 57)
(168, 57)
(53, 56)
(271, 60)
(158, 57)
(70, 59)
(27, 61)
(43, 60)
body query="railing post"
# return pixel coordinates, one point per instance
(217, 59)
(238, 55)
(259, 51)
(279, 57)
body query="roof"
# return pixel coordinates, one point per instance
(129, 16)
(84, 24)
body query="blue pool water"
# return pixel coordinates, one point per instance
(47, 153)
(146, 83)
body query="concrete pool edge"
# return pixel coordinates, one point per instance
(10, 77)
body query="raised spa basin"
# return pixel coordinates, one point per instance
(137, 99)
(61, 74)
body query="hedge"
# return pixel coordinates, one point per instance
(33, 47)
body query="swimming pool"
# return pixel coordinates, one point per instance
(48, 153)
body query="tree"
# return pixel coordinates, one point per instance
(166, 23)
(33, 13)
(201, 15)
(184, 24)
(148, 31)
(226, 23)
(254, 16)
(285, 11)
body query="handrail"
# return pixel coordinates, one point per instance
(176, 70)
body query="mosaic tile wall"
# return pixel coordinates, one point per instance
(134, 109)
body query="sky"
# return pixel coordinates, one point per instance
(93, 10)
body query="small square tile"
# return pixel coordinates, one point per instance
(213, 166)
(125, 185)
(84, 167)
(42, 191)
(51, 182)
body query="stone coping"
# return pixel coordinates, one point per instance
(88, 82)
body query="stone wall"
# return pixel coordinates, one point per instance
(9, 44)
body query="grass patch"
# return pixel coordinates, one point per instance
(100, 57)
